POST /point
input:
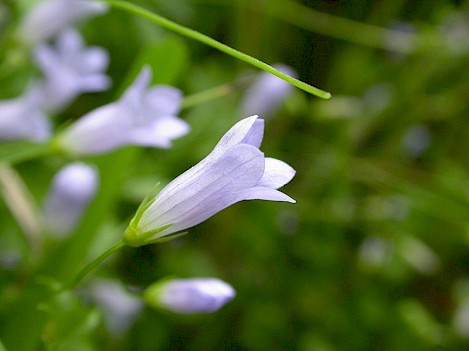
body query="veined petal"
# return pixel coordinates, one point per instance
(277, 173)
(246, 131)
(186, 202)
(263, 193)
(236, 135)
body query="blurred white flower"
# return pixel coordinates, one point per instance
(120, 308)
(73, 187)
(141, 117)
(234, 171)
(21, 118)
(267, 93)
(186, 296)
(49, 17)
(70, 69)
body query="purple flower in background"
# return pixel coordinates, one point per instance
(195, 295)
(50, 17)
(70, 69)
(21, 118)
(234, 171)
(145, 117)
(73, 187)
(267, 93)
(120, 307)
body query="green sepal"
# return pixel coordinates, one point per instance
(134, 238)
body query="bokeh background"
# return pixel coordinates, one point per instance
(374, 255)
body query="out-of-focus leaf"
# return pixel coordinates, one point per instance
(167, 59)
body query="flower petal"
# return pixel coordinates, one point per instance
(134, 94)
(263, 193)
(277, 173)
(188, 201)
(245, 131)
(163, 100)
(160, 132)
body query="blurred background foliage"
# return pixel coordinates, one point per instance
(374, 255)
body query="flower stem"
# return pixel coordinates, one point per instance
(92, 265)
(187, 32)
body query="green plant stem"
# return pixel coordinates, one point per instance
(341, 28)
(304, 17)
(92, 265)
(123, 5)
(215, 92)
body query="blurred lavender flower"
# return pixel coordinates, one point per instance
(141, 117)
(50, 17)
(73, 187)
(120, 308)
(195, 295)
(70, 69)
(235, 170)
(267, 93)
(21, 118)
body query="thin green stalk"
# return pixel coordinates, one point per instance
(304, 17)
(215, 92)
(123, 5)
(341, 28)
(93, 264)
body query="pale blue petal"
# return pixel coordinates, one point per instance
(101, 130)
(134, 94)
(263, 193)
(160, 132)
(277, 174)
(94, 59)
(195, 295)
(163, 100)
(187, 201)
(238, 134)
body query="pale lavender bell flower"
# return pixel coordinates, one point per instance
(72, 189)
(49, 17)
(267, 93)
(234, 171)
(22, 118)
(145, 117)
(188, 296)
(70, 69)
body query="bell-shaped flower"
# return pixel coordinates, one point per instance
(145, 117)
(267, 93)
(234, 171)
(22, 118)
(187, 296)
(50, 17)
(73, 187)
(70, 69)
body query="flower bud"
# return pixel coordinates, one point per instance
(187, 296)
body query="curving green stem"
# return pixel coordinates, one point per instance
(92, 265)
(187, 32)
